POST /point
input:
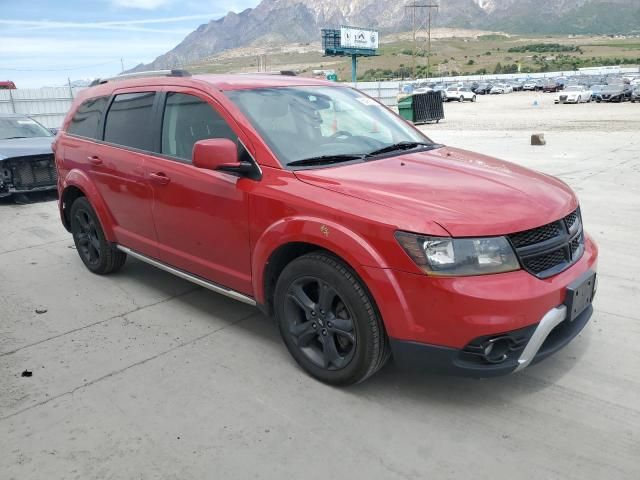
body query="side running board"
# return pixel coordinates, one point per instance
(227, 292)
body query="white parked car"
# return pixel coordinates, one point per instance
(501, 88)
(460, 94)
(532, 85)
(574, 94)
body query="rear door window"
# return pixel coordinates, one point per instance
(129, 119)
(87, 118)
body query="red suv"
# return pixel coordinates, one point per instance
(359, 235)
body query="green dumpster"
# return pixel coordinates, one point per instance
(405, 108)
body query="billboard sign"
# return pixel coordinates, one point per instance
(353, 37)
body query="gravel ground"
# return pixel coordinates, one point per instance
(142, 375)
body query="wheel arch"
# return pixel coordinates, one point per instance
(77, 184)
(289, 239)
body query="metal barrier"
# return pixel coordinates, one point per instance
(427, 107)
(46, 105)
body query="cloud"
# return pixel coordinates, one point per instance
(142, 4)
(126, 25)
(22, 49)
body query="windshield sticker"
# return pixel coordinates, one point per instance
(26, 122)
(368, 101)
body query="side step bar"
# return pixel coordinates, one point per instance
(227, 292)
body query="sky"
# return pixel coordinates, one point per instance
(45, 43)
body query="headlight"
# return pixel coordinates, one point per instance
(457, 257)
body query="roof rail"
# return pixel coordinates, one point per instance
(150, 73)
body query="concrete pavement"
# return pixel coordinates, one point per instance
(141, 375)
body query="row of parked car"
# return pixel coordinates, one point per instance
(579, 89)
(614, 93)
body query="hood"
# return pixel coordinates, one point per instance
(22, 147)
(468, 194)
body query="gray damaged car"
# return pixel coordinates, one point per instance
(26, 159)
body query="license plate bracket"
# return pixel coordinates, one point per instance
(580, 295)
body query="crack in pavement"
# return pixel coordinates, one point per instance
(124, 369)
(34, 246)
(120, 315)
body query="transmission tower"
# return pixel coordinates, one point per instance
(421, 27)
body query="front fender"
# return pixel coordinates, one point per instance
(348, 245)
(80, 180)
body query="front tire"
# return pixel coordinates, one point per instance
(98, 255)
(328, 320)
(473, 99)
(461, 99)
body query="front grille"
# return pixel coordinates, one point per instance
(571, 219)
(548, 250)
(535, 235)
(563, 98)
(541, 263)
(33, 172)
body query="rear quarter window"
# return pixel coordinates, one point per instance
(86, 120)
(128, 120)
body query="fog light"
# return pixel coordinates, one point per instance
(496, 350)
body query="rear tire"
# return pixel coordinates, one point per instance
(98, 255)
(473, 99)
(461, 99)
(328, 320)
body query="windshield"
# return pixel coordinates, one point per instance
(574, 89)
(21, 127)
(300, 123)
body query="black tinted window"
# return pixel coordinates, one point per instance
(129, 119)
(86, 120)
(188, 119)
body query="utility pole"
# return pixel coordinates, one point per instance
(121, 65)
(418, 26)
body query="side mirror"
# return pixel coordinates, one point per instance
(222, 154)
(54, 130)
(212, 153)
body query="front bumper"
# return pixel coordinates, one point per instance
(445, 316)
(533, 345)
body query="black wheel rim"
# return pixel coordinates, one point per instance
(319, 323)
(86, 235)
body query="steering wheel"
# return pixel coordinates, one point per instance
(342, 134)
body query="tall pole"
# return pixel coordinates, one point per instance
(121, 65)
(413, 49)
(354, 68)
(414, 6)
(429, 46)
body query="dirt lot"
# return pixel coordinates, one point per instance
(142, 375)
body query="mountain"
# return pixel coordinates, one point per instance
(282, 21)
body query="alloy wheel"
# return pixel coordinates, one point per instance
(320, 323)
(87, 237)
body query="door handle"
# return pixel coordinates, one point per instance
(160, 178)
(94, 159)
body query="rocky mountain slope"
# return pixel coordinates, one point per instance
(281, 21)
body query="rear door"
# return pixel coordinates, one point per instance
(201, 216)
(118, 167)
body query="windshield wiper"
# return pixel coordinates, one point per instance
(11, 138)
(401, 146)
(326, 159)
